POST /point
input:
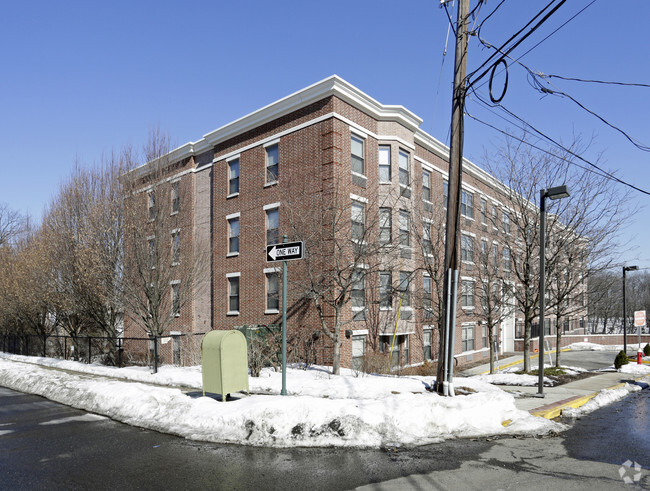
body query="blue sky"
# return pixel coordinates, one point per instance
(81, 79)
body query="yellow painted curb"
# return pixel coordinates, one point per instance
(577, 402)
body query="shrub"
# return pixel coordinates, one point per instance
(621, 359)
(646, 350)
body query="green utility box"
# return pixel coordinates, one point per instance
(224, 358)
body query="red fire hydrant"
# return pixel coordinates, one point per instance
(639, 356)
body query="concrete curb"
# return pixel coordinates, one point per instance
(553, 410)
(532, 356)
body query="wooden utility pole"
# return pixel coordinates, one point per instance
(446, 352)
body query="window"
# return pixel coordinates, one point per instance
(427, 246)
(404, 228)
(467, 293)
(357, 158)
(405, 351)
(466, 248)
(385, 290)
(152, 205)
(358, 351)
(272, 289)
(176, 197)
(466, 204)
(358, 221)
(495, 256)
(358, 289)
(404, 171)
(505, 217)
(151, 242)
(485, 336)
(484, 254)
(384, 164)
(176, 298)
(385, 226)
(404, 288)
(426, 343)
(233, 295)
(427, 302)
(506, 259)
(445, 193)
(176, 247)
(494, 216)
(233, 235)
(483, 211)
(426, 185)
(272, 159)
(233, 176)
(272, 226)
(468, 337)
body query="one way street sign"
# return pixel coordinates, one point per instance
(284, 252)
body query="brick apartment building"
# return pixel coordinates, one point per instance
(329, 153)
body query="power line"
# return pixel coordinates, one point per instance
(603, 172)
(605, 82)
(523, 38)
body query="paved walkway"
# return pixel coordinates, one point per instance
(574, 394)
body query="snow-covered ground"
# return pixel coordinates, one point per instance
(584, 346)
(603, 398)
(319, 410)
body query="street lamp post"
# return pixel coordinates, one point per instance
(625, 269)
(554, 193)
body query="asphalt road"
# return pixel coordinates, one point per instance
(46, 445)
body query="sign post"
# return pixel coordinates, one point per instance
(639, 322)
(284, 252)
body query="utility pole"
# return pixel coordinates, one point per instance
(444, 379)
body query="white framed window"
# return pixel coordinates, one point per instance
(358, 290)
(357, 150)
(427, 339)
(233, 235)
(467, 294)
(404, 228)
(233, 293)
(495, 255)
(272, 226)
(483, 211)
(426, 185)
(176, 197)
(468, 337)
(151, 245)
(467, 248)
(358, 351)
(176, 247)
(151, 204)
(358, 217)
(272, 163)
(384, 164)
(427, 300)
(385, 290)
(466, 204)
(404, 169)
(427, 245)
(272, 292)
(233, 177)
(445, 193)
(484, 254)
(507, 260)
(385, 226)
(495, 222)
(405, 288)
(176, 298)
(505, 218)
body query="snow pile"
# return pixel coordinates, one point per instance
(584, 346)
(604, 397)
(320, 410)
(512, 379)
(633, 367)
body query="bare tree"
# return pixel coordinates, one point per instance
(344, 255)
(161, 265)
(585, 225)
(12, 223)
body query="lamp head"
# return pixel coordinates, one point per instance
(557, 192)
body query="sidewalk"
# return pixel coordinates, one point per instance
(573, 394)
